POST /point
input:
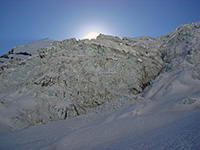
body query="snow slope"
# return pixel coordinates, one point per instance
(138, 126)
(165, 115)
(26, 50)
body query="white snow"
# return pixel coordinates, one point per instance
(139, 126)
(166, 115)
(161, 122)
(29, 48)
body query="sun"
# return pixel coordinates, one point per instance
(91, 35)
(93, 30)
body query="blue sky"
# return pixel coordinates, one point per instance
(23, 21)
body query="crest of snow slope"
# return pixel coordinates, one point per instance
(164, 116)
(71, 77)
(26, 50)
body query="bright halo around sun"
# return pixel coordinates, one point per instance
(91, 35)
(93, 30)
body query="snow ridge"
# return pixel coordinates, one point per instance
(26, 50)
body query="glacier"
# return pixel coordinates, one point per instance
(104, 93)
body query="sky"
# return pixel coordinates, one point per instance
(23, 21)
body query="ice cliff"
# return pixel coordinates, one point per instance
(70, 77)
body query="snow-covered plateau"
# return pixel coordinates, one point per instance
(103, 94)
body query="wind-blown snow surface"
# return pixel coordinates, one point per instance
(138, 126)
(166, 115)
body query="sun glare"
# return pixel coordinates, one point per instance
(92, 30)
(92, 35)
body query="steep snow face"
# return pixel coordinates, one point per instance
(70, 77)
(26, 50)
(181, 48)
(181, 54)
(183, 83)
